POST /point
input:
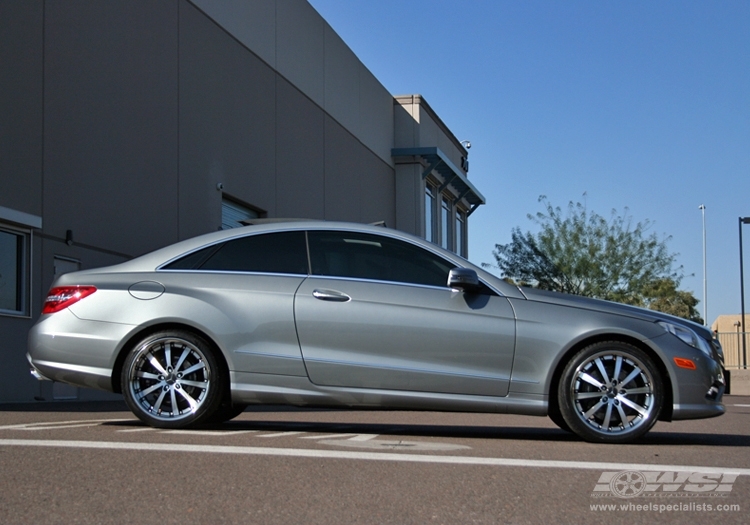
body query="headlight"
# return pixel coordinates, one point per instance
(687, 336)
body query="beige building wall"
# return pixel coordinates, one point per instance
(728, 329)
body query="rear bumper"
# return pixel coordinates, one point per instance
(62, 347)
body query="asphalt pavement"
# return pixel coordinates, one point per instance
(96, 463)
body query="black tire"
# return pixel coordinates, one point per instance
(610, 392)
(171, 379)
(226, 412)
(556, 416)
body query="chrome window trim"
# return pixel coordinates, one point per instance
(234, 272)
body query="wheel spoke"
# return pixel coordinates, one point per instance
(152, 388)
(607, 416)
(155, 363)
(197, 366)
(618, 368)
(196, 384)
(594, 409)
(173, 399)
(185, 353)
(603, 371)
(632, 375)
(146, 375)
(591, 380)
(193, 404)
(159, 401)
(625, 401)
(588, 395)
(623, 415)
(168, 354)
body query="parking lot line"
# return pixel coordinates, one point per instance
(279, 434)
(208, 432)
(60, 424)
(328, 436)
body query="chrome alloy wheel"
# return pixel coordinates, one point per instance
(610, 392)
(169, 378)
(613, 392)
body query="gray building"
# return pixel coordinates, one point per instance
(128, 125)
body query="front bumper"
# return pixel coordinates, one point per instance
(696, 393)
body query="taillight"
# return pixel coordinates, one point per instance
(61, 297)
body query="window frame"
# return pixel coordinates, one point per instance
(24, 257)
(430, 213)
(446, 213)
(460, 231)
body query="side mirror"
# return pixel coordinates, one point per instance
(464, 279)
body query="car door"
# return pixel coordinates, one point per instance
(376, 313)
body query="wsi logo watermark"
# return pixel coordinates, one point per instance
(663, 484)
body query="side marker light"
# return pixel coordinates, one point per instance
(685, 363)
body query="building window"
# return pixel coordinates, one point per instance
(232, 213)
(445, 214)
(429, 213)
(460, 229)
(14, 271)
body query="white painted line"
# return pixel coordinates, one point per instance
(327, 436)
(58, 424)
(57, 427)
(366, 456)
(363, 437)
(279, 434)
(141, 429)
(745, 406)
(207, 432)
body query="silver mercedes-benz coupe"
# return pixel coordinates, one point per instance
(325, 314)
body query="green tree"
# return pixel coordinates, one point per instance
(580, 252)
(663, 295)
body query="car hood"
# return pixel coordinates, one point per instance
(600, 305)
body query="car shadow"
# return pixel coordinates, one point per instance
(246, 422)
(446, 431)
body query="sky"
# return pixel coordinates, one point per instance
(640, 105)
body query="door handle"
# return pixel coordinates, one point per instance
(331, 295)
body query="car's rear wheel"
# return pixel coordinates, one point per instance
(172, 379)
(610, 392)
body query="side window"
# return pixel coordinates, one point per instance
(14, 272)
(366, 256)
(284, 252)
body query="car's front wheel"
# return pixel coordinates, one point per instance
(610, 392)
(171, 379)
